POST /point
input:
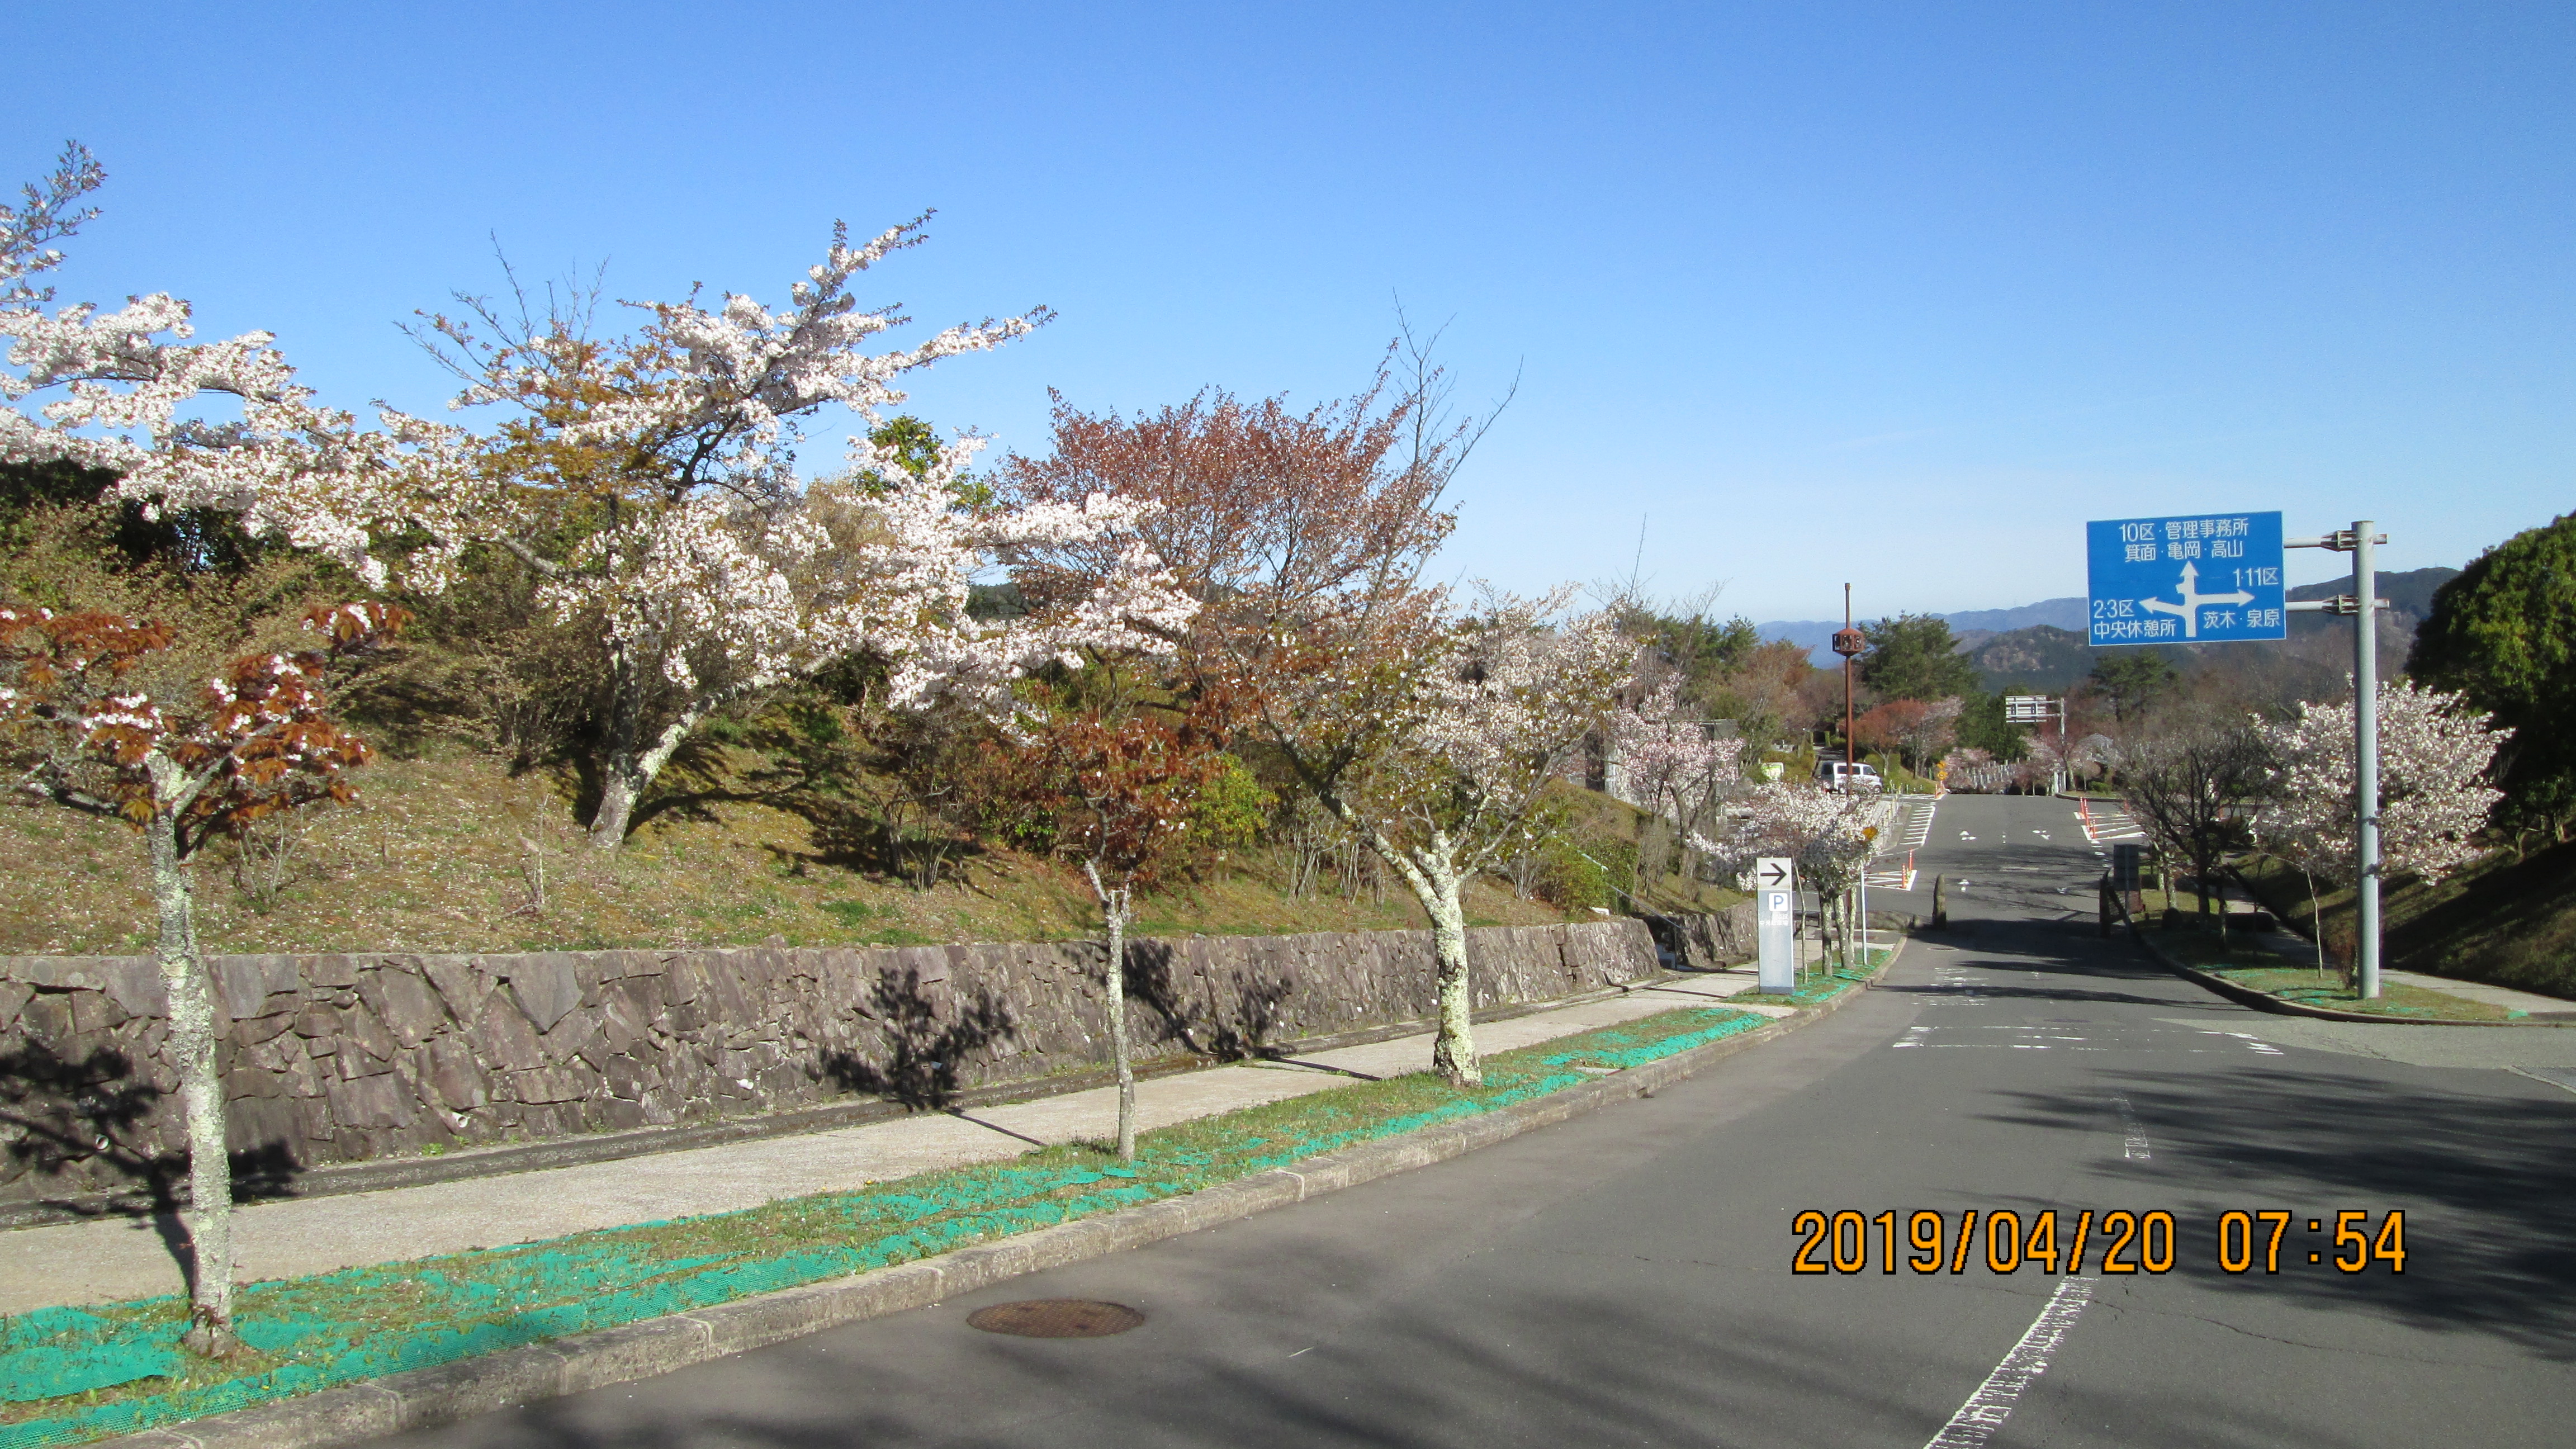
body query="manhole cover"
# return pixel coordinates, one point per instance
(1056, 1318)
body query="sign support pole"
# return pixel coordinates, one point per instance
(2365, 743)
(2363, 605)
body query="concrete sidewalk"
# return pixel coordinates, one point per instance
(113, 1259)
(2544, 1007)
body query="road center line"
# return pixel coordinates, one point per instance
(1994, 1400)
(2133, 1143)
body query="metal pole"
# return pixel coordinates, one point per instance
(1851, 741)
(2365, 742)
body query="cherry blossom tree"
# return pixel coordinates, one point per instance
(1430, 735)
(647, 480)
(1828, 833)
(709, 572)
(1672, 765)
(1304, 535)
(184, 766)
(2434, 754)
(130, 391)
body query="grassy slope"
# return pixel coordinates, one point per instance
(2509, 922)
(437, 858)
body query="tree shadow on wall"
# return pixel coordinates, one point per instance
(91, 1114)
(1231, 1037)
(923, 1049)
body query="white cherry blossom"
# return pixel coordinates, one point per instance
(2433, 795)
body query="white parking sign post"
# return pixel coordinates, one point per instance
(1775, 917)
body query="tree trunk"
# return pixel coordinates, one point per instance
(618, 792)
(621, 775)
(192, 1050)
(625, 771)
(1453, 1050)
(1113, 919)
(1431, 873)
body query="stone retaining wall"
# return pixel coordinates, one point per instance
(344, 1058)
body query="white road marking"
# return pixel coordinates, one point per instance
(1993, 1402)
(2252, 1042)
(1918, 825)
(2133, 1143)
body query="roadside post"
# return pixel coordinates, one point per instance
(2363, 606)
(1870, 834)
(1775, 919)
(2134, 562)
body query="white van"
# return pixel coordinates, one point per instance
(1839, 777)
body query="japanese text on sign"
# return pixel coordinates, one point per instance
(2187, 580)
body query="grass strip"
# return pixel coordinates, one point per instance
(2248, 963)
(1815, 988)
(68, 1375)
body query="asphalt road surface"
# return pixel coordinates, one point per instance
(1625, 1278)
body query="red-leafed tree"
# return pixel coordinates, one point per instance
(83, 728)
(1122, 794)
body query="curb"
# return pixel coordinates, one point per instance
(2266, 1001)
(423, 1398)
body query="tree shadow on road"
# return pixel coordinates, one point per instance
(2480, 1165)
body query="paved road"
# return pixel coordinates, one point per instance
(1624, 1278)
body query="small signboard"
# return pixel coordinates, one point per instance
(2126, 859)
(1775, 920)
(2028, 708)
(2201, 579)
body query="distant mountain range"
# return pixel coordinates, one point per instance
(1817, 635)
(2041, 646)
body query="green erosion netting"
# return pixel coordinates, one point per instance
(74, 1374)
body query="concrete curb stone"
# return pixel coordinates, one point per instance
(447, 1393)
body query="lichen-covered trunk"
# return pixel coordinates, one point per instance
(1116, 916)
(1113, 920)
(1430, 871)
(192, 1051)
(1453, 1050)
(621, 776)
(628, 765)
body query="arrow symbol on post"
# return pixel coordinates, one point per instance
(1772, 874)
(2189, 609)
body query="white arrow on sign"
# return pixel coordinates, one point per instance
(2189, 609)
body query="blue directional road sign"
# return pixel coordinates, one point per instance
(2207, 579)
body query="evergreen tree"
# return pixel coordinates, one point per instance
(2503, 634)
(1915, 656)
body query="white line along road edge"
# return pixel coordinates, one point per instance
(1992, 1403)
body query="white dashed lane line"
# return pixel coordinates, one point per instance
(2133, 1142)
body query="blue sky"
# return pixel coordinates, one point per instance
(1899, 293)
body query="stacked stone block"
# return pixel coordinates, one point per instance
(345, 1058)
